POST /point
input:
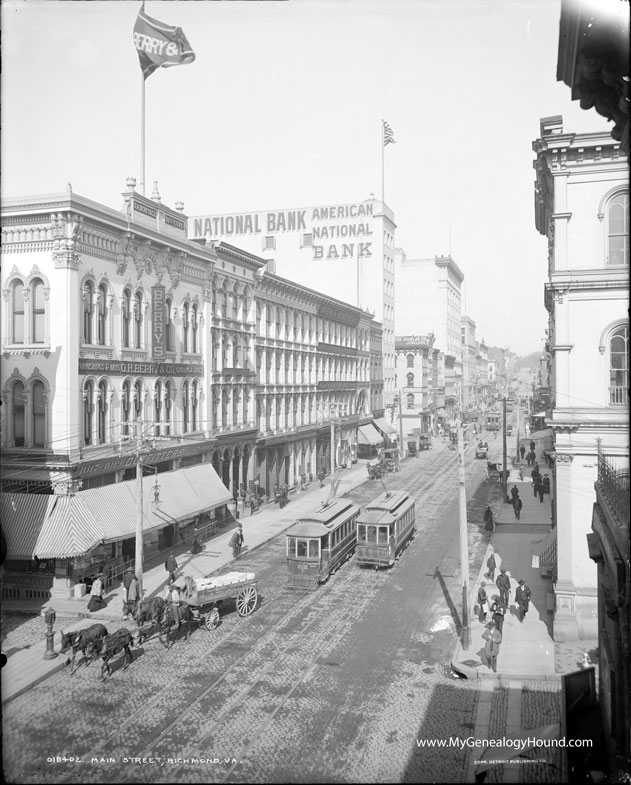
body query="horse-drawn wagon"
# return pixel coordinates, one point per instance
(203, 595)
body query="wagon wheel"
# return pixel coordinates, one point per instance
(211, 619)
(246, 600)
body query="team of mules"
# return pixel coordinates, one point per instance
(94, 642)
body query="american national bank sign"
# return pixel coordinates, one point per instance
(338, 232)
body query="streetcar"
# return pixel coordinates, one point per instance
(385, 529)
(320, 542)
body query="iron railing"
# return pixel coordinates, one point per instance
(613, 484)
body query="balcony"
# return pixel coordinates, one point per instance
(613, 485)
(618, 396)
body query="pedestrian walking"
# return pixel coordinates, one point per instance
(128, 576)
(96, 594)
(490, 563)
(503, 584)
(240, 540)
(522, 451)
(133, 595)
(493, 638)
(536, 485)
(522, 598)
(234, 543)
(483, 602)
(532, 446)
(488, 519)
(196, 547)
(514, 492)
(517, 505)
(540, 490)
(498, 612)
(170, 565)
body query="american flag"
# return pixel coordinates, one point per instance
(388, 135)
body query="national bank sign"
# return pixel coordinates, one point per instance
(333, 232)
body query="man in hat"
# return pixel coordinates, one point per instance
(498, 611)
(240, 541)
(170, 565)
(127, 579)
(493, 638)
(503, 584)
(482, 601)
(522, 598)
(235, 541)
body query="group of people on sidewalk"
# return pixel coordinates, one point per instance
(497, 607)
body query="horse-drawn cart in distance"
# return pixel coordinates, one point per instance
(203, 595)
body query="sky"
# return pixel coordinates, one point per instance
(283, 108)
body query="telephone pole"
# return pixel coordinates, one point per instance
(464, 543)
(504, 474)
(139, 509)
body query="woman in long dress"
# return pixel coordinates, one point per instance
(196, 547)
(96, 595)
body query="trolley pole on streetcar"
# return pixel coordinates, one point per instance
(505, 478)
(464, 543)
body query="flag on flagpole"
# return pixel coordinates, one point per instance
(159, 45)
(388, 135)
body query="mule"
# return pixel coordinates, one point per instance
(148, 615)
(114, 644)
(86, 640)
(176, 616)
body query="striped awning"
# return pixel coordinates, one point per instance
(62, 527)
(366, 434)
(384, 426)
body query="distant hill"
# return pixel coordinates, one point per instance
(529, 361)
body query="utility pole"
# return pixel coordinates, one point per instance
(464, 544)
(139, 508)
(505, 478)
(401, 450)
(332, 452)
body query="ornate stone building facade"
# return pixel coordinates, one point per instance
(125, 342)
(582, 207)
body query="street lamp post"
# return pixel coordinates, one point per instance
(464, 545)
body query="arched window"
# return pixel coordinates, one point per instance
(101, 314)
(168, 397)
(194, 326)
(38, 313)
(410, 379)
(410, 400)
(157, 409)
(185, 406)
(235, 303)
(126, 309)
(168, 326)
(185, 325)
(194, 404)
(125, 408)
(88, 306)
(38, 396)
(17, 309)
(410, 359)
(138, 320)
(619, 367)
(19, 406)
(88, 412)
(618, 230)
(138, 400)
(102, 412)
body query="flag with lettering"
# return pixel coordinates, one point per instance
(388, 135)
(159, 45)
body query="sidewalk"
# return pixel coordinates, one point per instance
(27, 667)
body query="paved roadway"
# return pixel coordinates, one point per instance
(331, 686)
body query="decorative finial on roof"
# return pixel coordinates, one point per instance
(69, 188)
(155, 196)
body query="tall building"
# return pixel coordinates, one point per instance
(428, 300)
(582, 207)
(418, 378)
(130, 351)
(342, 250)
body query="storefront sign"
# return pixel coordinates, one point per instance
(158, 313)
(139, 369)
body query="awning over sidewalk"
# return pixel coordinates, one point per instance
(366, 434)
(65, 526)
(384, 426)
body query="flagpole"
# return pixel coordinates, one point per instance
(383, 147)
(142, 135)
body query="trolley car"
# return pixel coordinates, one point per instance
(319, 543)
(385, 528)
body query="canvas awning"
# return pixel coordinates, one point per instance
(384, 426)
(66, 526)
(366, 434)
